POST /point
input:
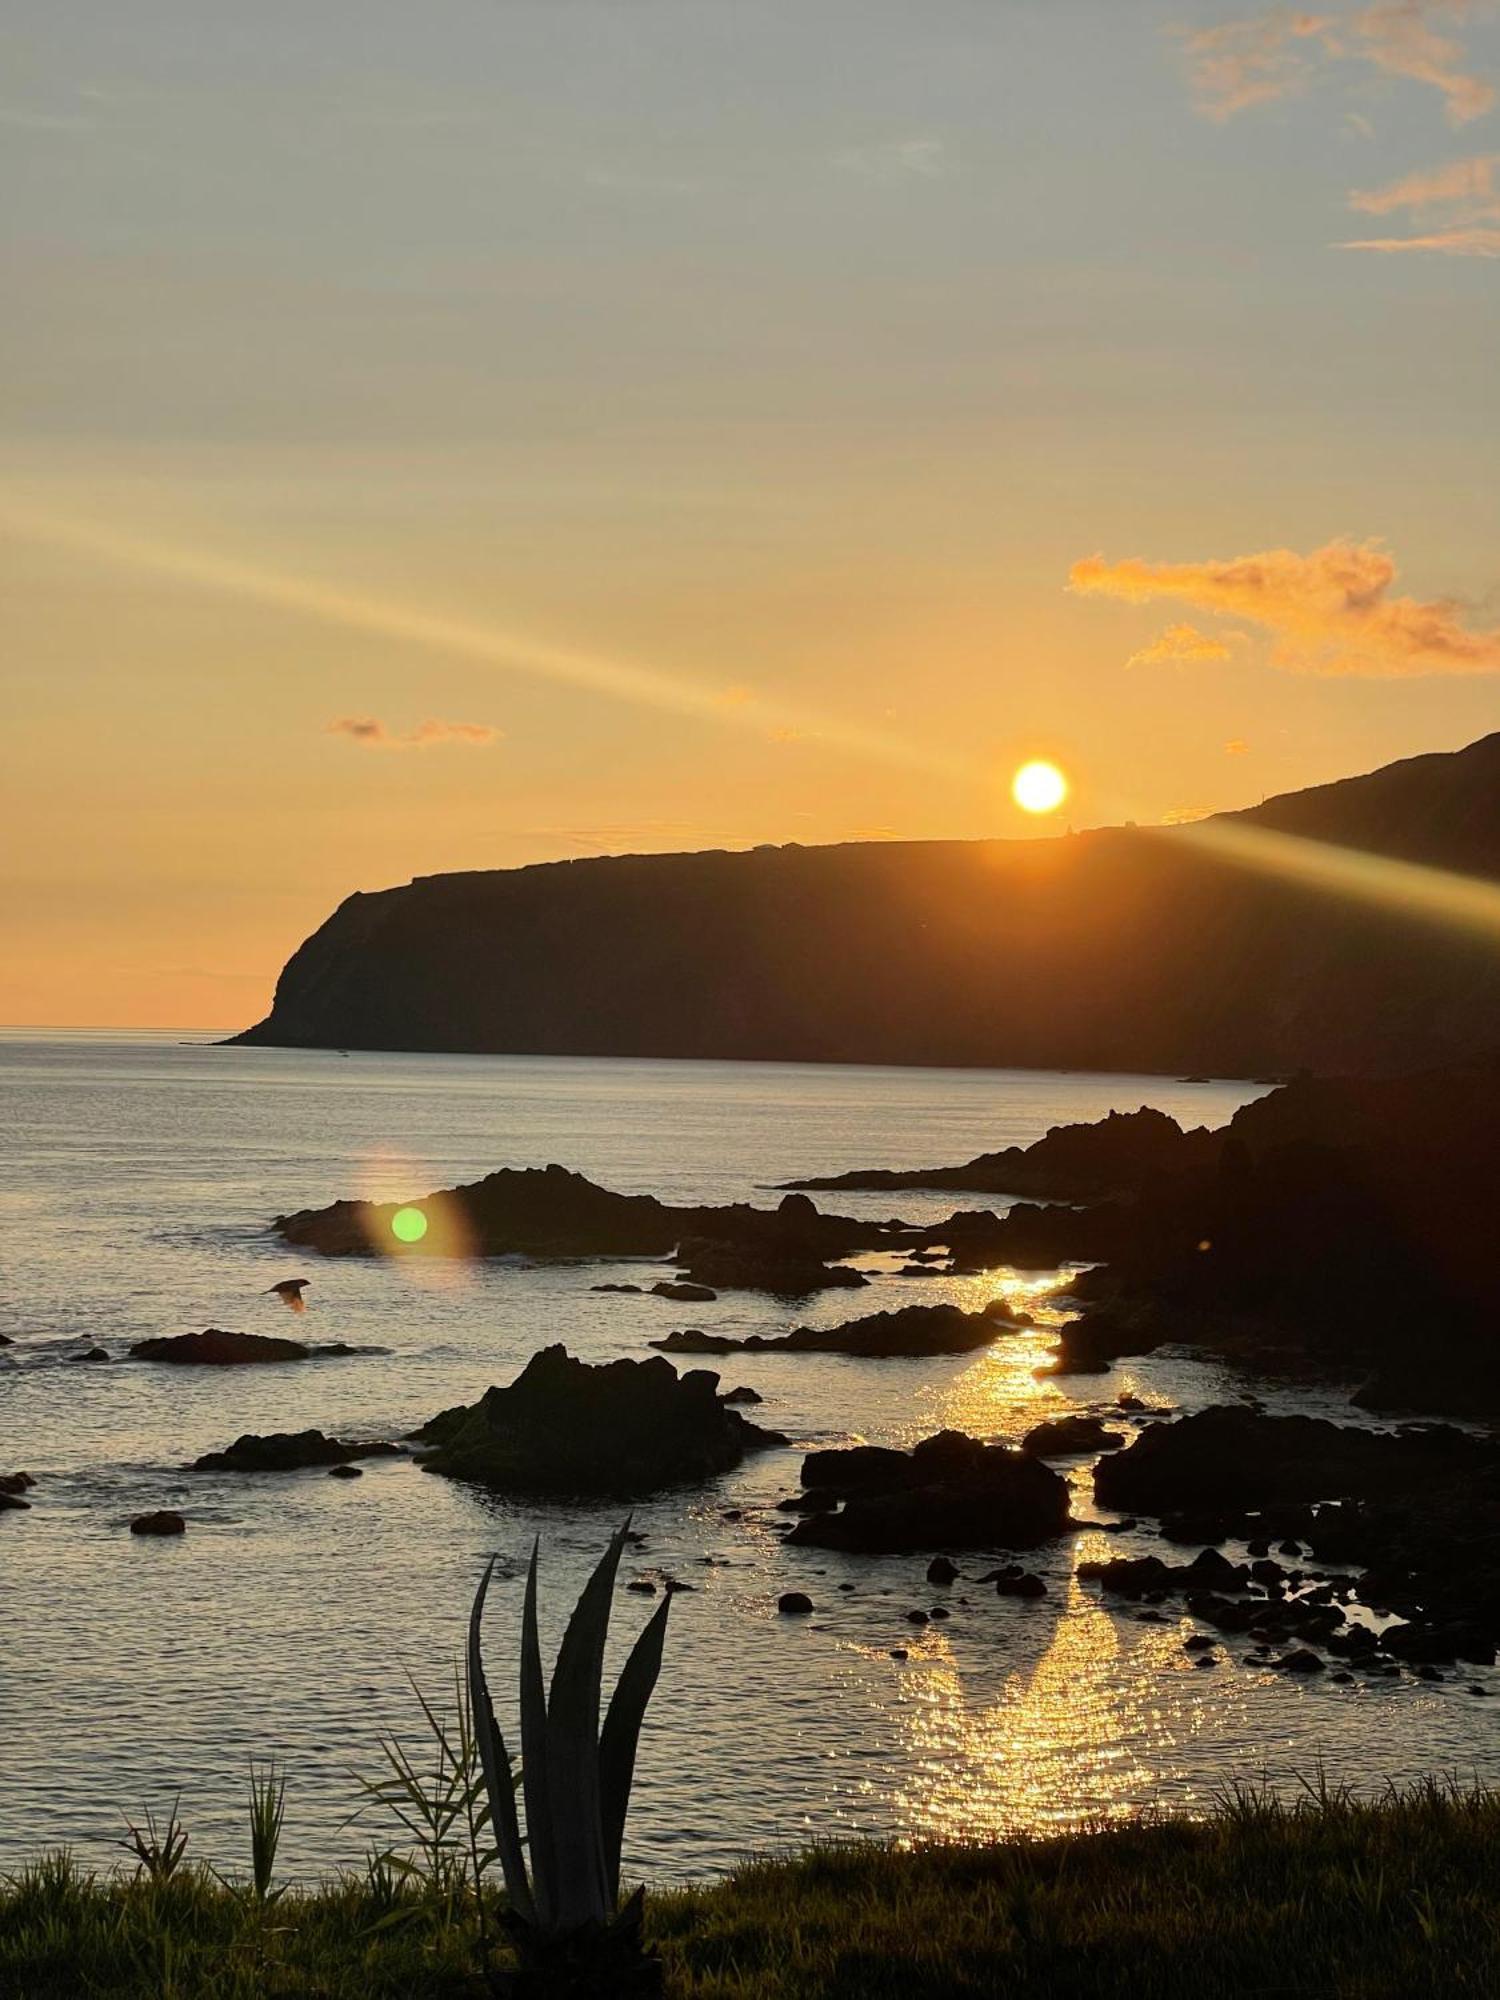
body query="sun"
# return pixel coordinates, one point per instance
(1039, 787)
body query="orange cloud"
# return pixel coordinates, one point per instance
(1236, 747)
(371, 733)
(1184, 643)
(1464, 196)
(1330, 612)
(1262, 57)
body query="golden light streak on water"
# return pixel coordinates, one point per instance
(1071, 1743)
(1433, 895)
(484, 644)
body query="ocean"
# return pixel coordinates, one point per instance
(137, 1179)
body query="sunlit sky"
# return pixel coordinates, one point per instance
(458, 435)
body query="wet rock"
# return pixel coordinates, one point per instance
(941, 1571)
(1065, 1437)
(1199, 1643)
(760, 1267)
(636, 1291)
(1025, 1585)
(916, 1617)
(794, 1604)
(742, 1395)
(911, 1330)
(217, 1348)
(682, 1288)
(1432, 1644)
(1231, 1457)
(1302, 1661)
(899, 1653)
(345, 1472)
(12, 1503)
(643, 1586)
(289, 1451)
(16, 1483)
(623, 1427)
(91, 1354)
(163, 1522)
(939, 1612)
(950, 1490)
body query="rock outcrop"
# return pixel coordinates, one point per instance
(217, 1348)
(911, 1330)
(289, 1451)
(1116, 1154)
(623, 1427)
(948, 1492)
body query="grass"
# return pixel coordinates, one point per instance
(1329, 1896)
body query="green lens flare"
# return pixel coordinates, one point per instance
(408, 1225)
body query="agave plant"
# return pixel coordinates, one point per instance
(571, 1935)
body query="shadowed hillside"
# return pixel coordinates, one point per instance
(1117, 949)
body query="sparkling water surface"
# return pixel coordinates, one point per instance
(137, 1178)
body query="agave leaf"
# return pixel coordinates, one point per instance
(534, 1759)
(582, 1885)
(496, 1765)
(622, 1732)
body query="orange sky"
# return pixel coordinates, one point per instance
(566, 430)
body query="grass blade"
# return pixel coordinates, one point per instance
(621, 1734)
(573, 1750)
(496, 1765)
(534, 1757)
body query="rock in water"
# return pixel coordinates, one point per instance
(794, 1604)
(217, 1348)
(164, 1522)
(1063, 1437)
(288, 1451)
(950, 1491)
(623, 1427)
(917, 1330)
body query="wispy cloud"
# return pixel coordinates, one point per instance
(1184, 645)
(1262, 57)
(1329, 612)
(1459, 202)
(916, 158)
(372, 734)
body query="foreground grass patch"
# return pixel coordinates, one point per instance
(1328, 1897)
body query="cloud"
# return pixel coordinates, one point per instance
(1183, 643)
(372, 734)
(1330, 612)
(1262, 57)
(1236, 747)
(922, 159)
(1460, 202)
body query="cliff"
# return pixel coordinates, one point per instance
(1118, 949)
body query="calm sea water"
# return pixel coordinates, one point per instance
(137, 1178)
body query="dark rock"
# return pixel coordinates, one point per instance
(680, 1288)
(12, 1503)
(1064, 1437)
(715, 1266)
(216, 1348)
(164, 1522)
(941, 1571)
(624, 1427)
(899, 1653)
(642, 1585)
(950, 1490)
(1068, 1163)
(345, 1472)
(1229, 1457)
(916, 1617)
(1301, 1662)
(288, 1451)
(1199, 1643)
(794, 1603)
(939, 1611)
(15, 1483)
(915, 1330)
(1429, 1643)
(1025, 1585)
(635, 1290)
(92, 1354)
(741, 1395)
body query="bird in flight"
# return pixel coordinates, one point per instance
(289, 1291)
